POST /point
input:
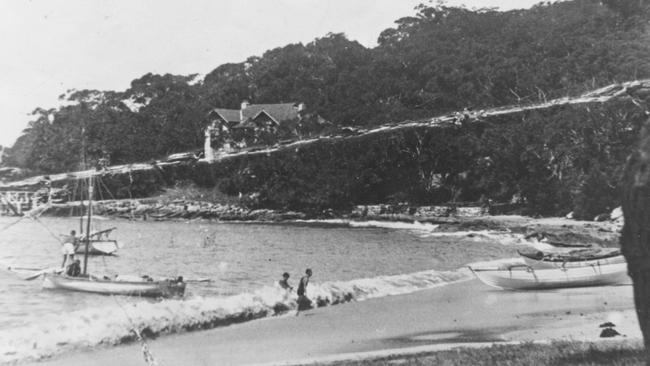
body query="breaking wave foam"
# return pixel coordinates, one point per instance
(428, 230)
(398, 225)
(416, 225)
(112, 325)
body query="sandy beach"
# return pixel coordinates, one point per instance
(467, 313)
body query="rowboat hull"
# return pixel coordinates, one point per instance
(528, 278)
(104, 247)
(111, 287)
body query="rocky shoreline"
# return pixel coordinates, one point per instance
(561, 231)
(153, 209)
(158, 209)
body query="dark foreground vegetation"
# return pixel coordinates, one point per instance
(557, 353)
(442, 59)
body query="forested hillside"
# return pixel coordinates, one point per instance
(439, 60)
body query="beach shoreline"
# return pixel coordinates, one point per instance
(465, 313)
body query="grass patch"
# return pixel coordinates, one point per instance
(557, 353)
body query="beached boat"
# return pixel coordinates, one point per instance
(525, 277)
(167, 288)
(573, 258)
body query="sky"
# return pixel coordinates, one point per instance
(51, 46)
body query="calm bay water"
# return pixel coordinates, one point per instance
(238, 258)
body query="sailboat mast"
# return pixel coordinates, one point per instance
(90, 213)
(81, 214)
(83, 167)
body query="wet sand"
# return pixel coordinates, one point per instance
(466, 313)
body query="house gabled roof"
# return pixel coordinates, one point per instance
(278, 112)
(264, 112)
(244, 118)
(228, 115)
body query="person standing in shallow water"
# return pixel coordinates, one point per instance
(284, 282)
(303, 301)
(70, 243)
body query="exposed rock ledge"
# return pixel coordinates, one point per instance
(552, 230)
(152, 209)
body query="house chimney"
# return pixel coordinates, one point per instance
(208, 152)
(244, 105)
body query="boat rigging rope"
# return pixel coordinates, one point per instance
(131, 195)
(146, 353)
(35, 219)
(101, 182)
(112, 196)
(12, 224)
(48, 230)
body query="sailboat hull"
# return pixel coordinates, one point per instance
(111, 287)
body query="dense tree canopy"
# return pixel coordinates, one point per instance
(441, 59)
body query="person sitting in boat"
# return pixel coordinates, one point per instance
(67, 249)
(284, 282)
(74, 269)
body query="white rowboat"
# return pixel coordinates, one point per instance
(167, 288)
(525, 277)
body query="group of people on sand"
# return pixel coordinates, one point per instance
(70, 266)
(304, 302)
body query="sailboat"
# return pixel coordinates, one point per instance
(109, 286)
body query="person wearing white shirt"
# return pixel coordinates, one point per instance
(68, 247)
